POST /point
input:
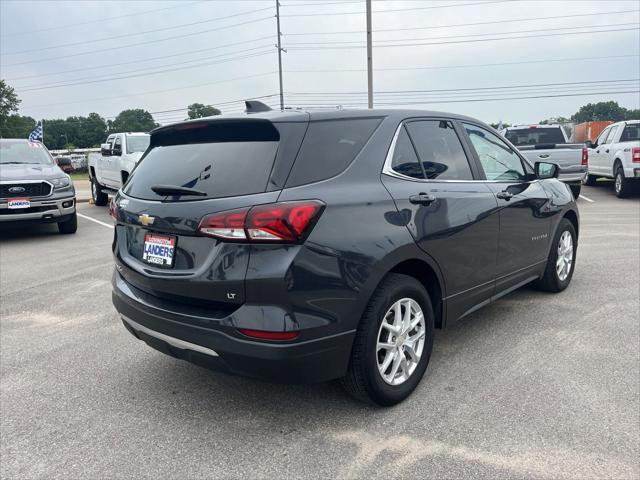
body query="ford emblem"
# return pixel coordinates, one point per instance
(17, 189)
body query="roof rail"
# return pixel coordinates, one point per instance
(254, 106)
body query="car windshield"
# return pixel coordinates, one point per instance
(23, 152)
(535, 136)
(137, 143)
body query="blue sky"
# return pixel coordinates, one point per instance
(223, 51)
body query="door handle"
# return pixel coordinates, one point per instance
(504, 195)
(607, 150)
(422, 199)
(597, 151)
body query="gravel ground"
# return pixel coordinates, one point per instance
(535, 385)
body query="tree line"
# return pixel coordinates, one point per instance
(80, 132)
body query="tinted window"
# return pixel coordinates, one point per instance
(404, 159)
(498, 160)
(328, 149)
(535, 136)
(117, 146)
(222, 160)
(23, 152)
(631, 133)
(439, 150)
(138, 143)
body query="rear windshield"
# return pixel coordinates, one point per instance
(631, 133)
(535, 136)
(221, 161)
(23, 152)
(137, 143)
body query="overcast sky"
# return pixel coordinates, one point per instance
(216, 52)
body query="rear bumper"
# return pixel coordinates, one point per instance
(219, 346)
(572, 174)
(41, 211)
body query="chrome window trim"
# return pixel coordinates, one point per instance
(9, 182)
(390, 172)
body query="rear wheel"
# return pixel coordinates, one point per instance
(575, 189)
(589, 180)
(562, 259)
(393, 343)
(69, 226)
(99, 197)
(622, 185)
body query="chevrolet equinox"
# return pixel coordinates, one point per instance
(309, 246)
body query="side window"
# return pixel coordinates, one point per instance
(612, 134)
(117, 146)
(439, 150)
(404, 159)
(110, 142)
(603, 135)
(498, 160)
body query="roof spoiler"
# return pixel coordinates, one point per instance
(254, 106)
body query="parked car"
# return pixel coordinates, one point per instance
(65, 164)
(308, 246)
(616, 154)
(33, 188)
(118, 157)
(550, 143)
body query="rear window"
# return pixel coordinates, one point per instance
(221, 160)
(329, 147)
(137, 143)
(631, 133)
(535, 136)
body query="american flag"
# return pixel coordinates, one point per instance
(36, 134)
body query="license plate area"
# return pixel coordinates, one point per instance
(16, 203)
(159, 250)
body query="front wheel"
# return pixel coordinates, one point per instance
(562, 259)
(575, 190)
(622, 185)
(393, 343)
(589, 180)
(99, 197)
(69, 226)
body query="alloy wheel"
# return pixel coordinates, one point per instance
(618, 184)
(400, 341)
(565, 255)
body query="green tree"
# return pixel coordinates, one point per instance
(600, 111)
(198, 110)
(558, 120)
(9, 101)
(135, 120)
(17, 126)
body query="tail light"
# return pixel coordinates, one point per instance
(286, 222)
(585, 157)
(113, 210)
(635, 154)
(266, 335)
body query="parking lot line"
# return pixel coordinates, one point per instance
(587, 199)
(96, 221)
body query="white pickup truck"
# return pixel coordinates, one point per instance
(549, 143)
(616, 154)
(109, 170)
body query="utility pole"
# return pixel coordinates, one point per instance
(369, 58)
(280, 50)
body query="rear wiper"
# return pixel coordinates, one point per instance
(177, 190)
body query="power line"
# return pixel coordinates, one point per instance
(436, 67)
(351, 47)
(173, 27)
(146, 72)
(599, 14)
(361, 12)
(101, 19)
(127, 46)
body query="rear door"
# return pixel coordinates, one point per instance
(596, 160)
(158, 248)
(525, 221)
(452, 217)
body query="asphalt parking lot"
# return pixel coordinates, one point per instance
(535, 385)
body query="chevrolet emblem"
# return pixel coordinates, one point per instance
(145, 219)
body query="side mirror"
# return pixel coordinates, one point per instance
(590, 144)
(546, 170)
(105, 149)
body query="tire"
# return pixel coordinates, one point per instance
(552, 280)
(575, 190)
(364, 380)
(70, 226)
(589, 180)
(99, 197)
(622, 185)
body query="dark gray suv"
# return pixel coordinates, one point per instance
(306, 247)
(33, 189)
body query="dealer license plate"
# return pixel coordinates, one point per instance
(19, 203)
(159, 250)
